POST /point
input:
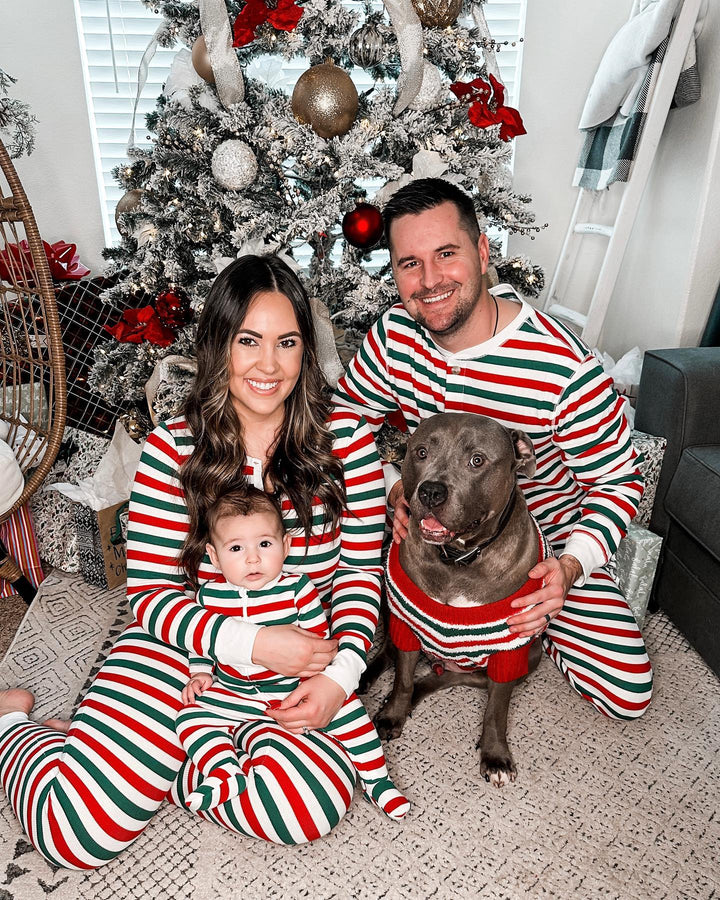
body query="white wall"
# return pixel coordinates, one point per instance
(39, 46)
(672, 266)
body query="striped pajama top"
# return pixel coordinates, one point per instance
(343, 564)
(289, 599)
(534, 375)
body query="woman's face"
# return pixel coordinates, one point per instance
(266, 359)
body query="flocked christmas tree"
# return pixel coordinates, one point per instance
(238, 165)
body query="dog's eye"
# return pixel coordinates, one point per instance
(476, 460)
(421, 452)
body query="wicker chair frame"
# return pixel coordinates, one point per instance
(32, 361)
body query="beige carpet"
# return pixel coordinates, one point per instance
(12, 612)
(601, 809)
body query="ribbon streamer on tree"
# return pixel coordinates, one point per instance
(408, 29)
(142, 77)
(486, 40)
(223, 59)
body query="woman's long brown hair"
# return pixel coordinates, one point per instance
(301, 463)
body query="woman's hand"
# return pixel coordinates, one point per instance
(401, 518)
(197, 685)
(558, 577)
(292, 651)
(313, 704)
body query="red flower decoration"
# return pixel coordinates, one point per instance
(137, 325)
(486, 101)
(284, 16)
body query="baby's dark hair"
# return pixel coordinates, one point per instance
(244, 502)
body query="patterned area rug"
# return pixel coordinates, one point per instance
(601, 809)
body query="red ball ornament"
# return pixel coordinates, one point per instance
(173, 309)
(363, 226)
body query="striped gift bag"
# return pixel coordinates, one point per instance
(18, 535)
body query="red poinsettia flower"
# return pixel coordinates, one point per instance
(486, 100)
(512, 124)
(137, 325)
(284, 16)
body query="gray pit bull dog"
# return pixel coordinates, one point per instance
(471, 543)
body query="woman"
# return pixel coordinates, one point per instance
(258, 411)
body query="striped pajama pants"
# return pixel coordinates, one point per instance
(211, 730)
(597, 645)
(85, 796)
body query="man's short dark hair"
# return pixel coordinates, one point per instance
(427, 193)
(244, 502)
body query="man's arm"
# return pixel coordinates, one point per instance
(593, 437)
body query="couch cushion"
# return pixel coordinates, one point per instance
(693, 500)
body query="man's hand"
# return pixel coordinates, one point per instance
(313, 704)
(292, 651)
(396, 501)
(558, 577)
(197, 685)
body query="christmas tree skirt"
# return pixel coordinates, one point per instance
(600, 808)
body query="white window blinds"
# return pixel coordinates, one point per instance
(114, 35)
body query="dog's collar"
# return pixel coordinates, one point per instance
(456, 557)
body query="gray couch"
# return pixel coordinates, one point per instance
(679, 399)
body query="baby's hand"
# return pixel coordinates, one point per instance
(197, 685)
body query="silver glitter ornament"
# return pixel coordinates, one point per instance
(431, 90)
(234, 165)
(326, 99)
(366, 46)
(437, 13)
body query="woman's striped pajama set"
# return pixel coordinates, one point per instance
(84, 797)
(537, 376)
(243, 694)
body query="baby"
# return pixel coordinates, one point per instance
(247, 543)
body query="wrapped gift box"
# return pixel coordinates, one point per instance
(72, 536)
(637, 558)
(652, 450)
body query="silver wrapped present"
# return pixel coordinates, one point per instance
(652, 450)
(637, 558)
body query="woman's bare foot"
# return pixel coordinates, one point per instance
(16, 700)
(58, 724)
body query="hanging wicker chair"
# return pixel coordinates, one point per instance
(33, 393)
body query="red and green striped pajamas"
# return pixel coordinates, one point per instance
(535, 375)
(240, 695)
(83, 798)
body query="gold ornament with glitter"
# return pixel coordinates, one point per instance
(326, 99)
(437, 13)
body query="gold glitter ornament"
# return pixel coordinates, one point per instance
(437, 13)
(127, 203)
(326, 99)
(366, 46)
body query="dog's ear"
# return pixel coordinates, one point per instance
(524, 452)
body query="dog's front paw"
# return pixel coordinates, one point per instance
(389, 725)
(497, 768)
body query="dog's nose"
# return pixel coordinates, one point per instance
(432, 493)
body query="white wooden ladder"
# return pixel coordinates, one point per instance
(617, 234)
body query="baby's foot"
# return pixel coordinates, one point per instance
(383, 794)
(58, 724)
(16, 700)
(216, 789)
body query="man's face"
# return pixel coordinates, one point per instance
(439, 270)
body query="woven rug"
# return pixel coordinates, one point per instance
(601, 809)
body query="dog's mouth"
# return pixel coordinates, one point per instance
(434, 532)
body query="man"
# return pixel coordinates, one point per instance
(452, 345)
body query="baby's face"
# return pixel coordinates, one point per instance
(249, 550)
